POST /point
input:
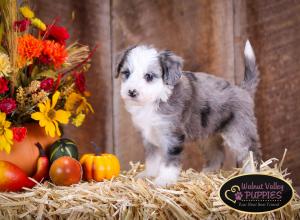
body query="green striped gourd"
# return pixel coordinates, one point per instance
(63, 147)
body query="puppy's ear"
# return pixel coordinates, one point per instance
(121, 58)
(171, 66)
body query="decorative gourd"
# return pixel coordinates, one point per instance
(63, 147)
(99, 168)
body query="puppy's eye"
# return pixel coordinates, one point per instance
(148, 77)
(125, 74)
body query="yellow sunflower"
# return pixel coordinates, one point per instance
(77, 103)
(78, 120)
(6, 135)
(48, 117)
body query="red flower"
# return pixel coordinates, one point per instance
(45, 59)
(79, 81)
(21, 25)
(47, 84)
(8, 105)
(3, 85)
(19, 133)
(57, 33)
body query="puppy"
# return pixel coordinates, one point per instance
(170, 106)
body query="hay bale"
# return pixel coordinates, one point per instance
(195, 196)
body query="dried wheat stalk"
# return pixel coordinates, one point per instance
(195, 196)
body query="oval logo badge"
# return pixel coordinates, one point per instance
(256, 193)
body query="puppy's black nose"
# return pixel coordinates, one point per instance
(132, 93)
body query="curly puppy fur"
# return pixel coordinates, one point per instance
(170, 106)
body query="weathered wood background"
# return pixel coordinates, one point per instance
(210, 36)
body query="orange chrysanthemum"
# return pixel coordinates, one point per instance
(29, 47)
(54, 53)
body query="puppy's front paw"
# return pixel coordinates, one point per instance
(168, 175)
(163, 181)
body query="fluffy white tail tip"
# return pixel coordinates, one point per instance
(249, 53)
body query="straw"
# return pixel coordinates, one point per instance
(195, 196)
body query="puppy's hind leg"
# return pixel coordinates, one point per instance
(241, 141)
(152, 162)
(213, 151)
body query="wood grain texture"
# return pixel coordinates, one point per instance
(91, 26)
(273, 28)
(195, 30)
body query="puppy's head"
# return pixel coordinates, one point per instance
(148, 75)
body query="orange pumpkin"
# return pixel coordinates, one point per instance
(25, 154)
(100, 167)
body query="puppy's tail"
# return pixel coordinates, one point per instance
(251, 77)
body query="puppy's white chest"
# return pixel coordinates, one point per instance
(151, 123)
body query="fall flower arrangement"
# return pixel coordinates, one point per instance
(42, 79)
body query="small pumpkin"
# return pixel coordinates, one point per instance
(63, 147)
(100, 167)
(65, 171)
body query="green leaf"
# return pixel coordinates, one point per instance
(46, 73)
(34, 72)
(24, 79)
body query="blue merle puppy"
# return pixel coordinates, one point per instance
(170, 106)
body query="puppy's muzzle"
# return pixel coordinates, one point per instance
(132, 93)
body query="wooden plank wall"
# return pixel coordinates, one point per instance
(274, 28)
(210, 36)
